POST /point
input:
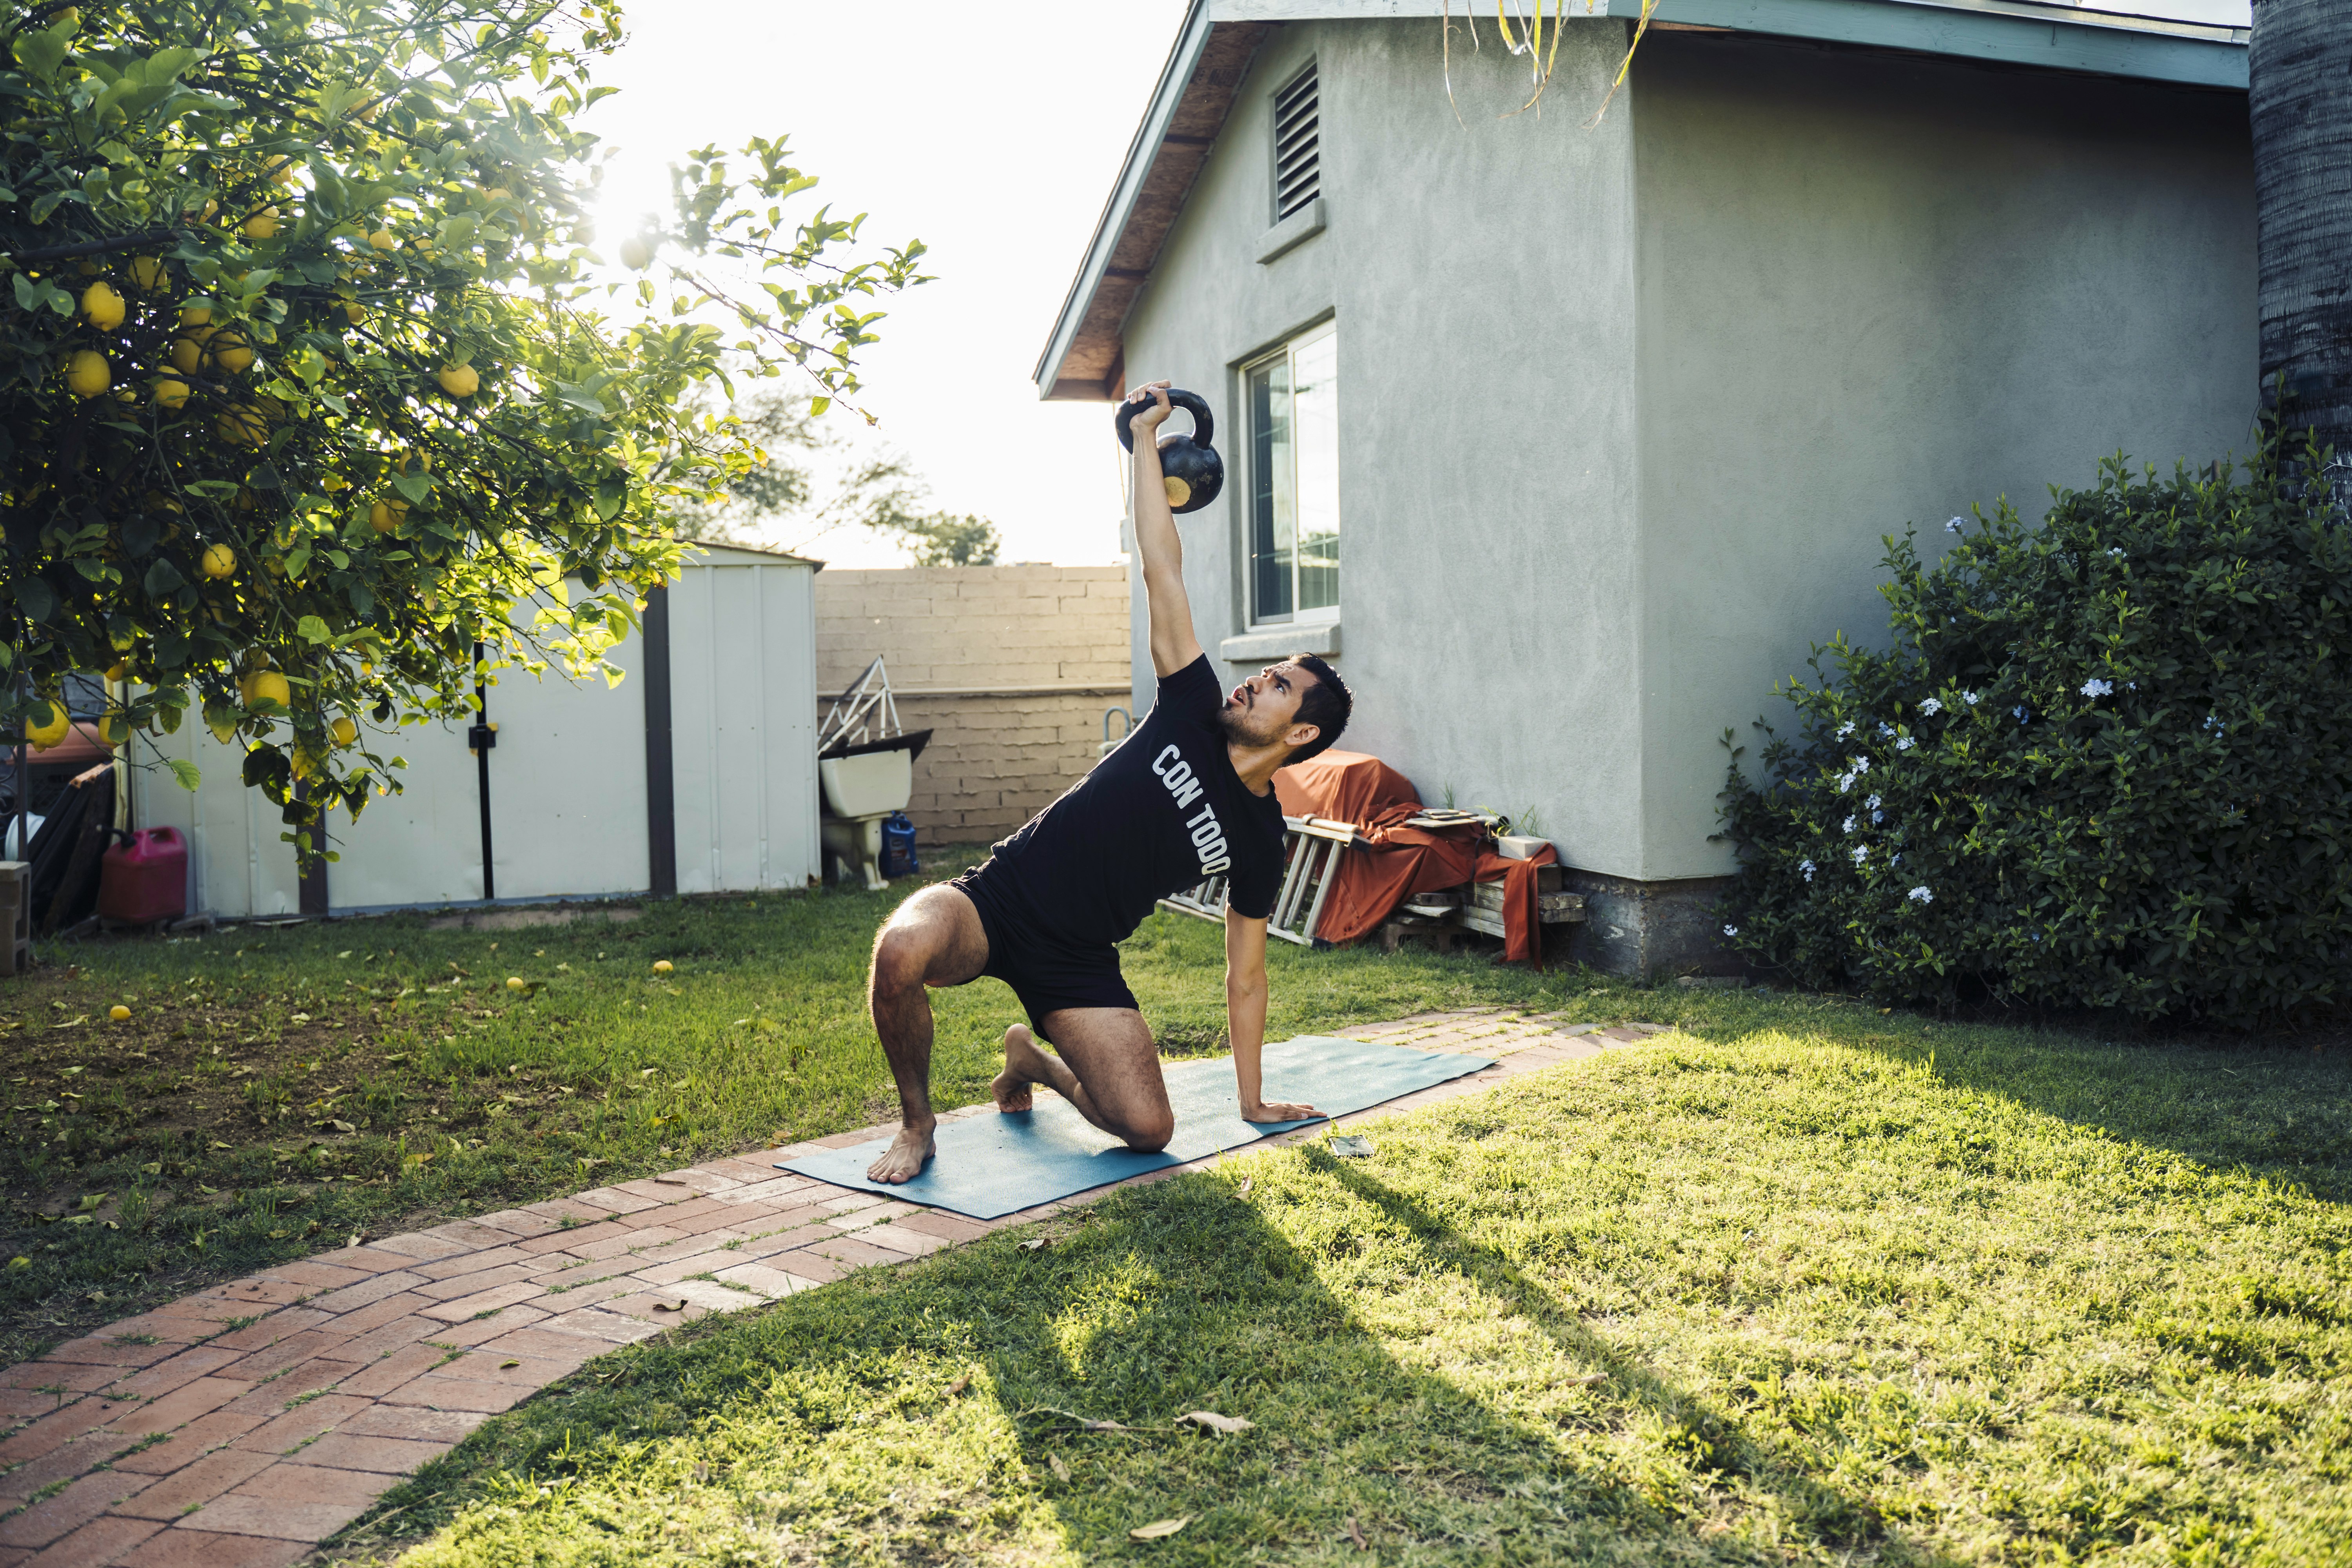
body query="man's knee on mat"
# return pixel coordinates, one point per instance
(1147, 1132)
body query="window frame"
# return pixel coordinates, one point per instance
(1286, 350)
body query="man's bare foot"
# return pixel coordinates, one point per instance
(903, 1161)
(1024, 1065)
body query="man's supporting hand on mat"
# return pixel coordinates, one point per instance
(1245, 1017)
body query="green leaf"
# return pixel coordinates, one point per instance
(187, 772)
(313, 629)
(163, 578)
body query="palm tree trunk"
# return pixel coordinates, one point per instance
(2301, 108)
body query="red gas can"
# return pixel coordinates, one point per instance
(146, 880)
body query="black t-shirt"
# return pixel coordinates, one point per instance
(1162, 813)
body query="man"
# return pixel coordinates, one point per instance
(1189, 795)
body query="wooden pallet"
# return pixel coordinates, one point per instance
(1311, 850)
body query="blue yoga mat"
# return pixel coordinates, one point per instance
(993, 1164)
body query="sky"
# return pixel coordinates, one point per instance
(992, 135)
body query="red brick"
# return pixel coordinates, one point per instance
(410, 1424)
(564, 1240)
(372, 1259)
(418, 1245)
(189, 1444)
(197, 1483)
(504, 1320)
(291, 1350)
(467, 1234)
(530, 1371)
(435, 1391)
(465, 1285)
(98, 1350)
(557, 1210)
(366, 1291)
(24, 1404)
(842, 1140)
(277, 1519)
(52, 1431)
(950, 1227)
(904, 1242)
(615, 1199)
(381, 1457)
(308, 1377)
(589, 1291)
(519, 1222)
(768, 1281)
(509, 1294)
(248, 1293)
(320, 1415)
(103, 1540)
(300, 1482)
(186, 1548)
(470, 1264)
(382, 1376)
(58, 1464)
(609, 1329)
(163, 1377)
(620, 1243)
(40, 1374)
(807, 1264)
(182, 1405)
(317, 1274)
(68, 1510)
(849, 1250)
(376, 1315)
(275, 1328)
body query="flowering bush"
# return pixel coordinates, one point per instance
(2107, 761)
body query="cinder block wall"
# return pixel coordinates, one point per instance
(1010, 666)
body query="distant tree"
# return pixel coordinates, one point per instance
(302, 389)
(2300, 73)
(777, 495)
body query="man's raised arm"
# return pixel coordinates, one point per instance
(1174, 643)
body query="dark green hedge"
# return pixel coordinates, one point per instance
(2105, 762)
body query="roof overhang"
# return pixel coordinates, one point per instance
(2199, 42)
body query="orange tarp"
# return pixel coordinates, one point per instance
(1395, 860)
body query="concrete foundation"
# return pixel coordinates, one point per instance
(1650, 929)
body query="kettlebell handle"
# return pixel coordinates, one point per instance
(1205, 424)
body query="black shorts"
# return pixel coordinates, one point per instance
(1046, 971)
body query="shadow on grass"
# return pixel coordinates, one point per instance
(2279, 1113)
(832, 1423)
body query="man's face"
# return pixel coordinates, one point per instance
(1262, 709)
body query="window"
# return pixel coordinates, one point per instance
(1294, 494)
(1297, 143)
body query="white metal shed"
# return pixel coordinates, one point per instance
(696, 775)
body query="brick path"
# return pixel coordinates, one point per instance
(241, 1426)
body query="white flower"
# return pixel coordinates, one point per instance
(1861, 853)
(1877, 817)
(1846, 728)
(1956, 525)
(1906, 743)
(1933, 706)
(1860, 765)
(1894, 859)
(1807, 868)
(1849, 824)
(1871, 803)
(2116, 550)
(1846, 782)
(1970, 698)
(1922, 896)
(1884, 731)
(2095, 687)
(2213, 723)
(1732, 930)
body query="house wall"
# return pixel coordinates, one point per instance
(1481, 273)
(1625, 411)
(1010, 667)
(1878, 290)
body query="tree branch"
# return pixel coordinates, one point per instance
(92, 247)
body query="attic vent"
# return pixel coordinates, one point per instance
(1298, 141)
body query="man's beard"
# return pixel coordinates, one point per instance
(1243, 727)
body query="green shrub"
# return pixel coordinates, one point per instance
(2102, 762)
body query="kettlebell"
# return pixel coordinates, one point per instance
(1188, 464)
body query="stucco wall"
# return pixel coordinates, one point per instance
(1010, 666)
(1481, 276)
(1842, 291)
(1877, 289)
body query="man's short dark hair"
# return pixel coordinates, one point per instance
(1326, 705)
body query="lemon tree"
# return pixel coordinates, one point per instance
(310, 391)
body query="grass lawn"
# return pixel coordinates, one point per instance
(277, 1090)
(1803, 1283)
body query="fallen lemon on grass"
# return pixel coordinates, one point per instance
(663, 966)
(118, 1012)
(514, 983)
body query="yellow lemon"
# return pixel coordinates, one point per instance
(117, 669)
(421, 462)
(514, 983)
(101, 306)
(232, 352)
(187, 356)
(458, 380)
(118, 1012)
(114, 729)
(50, 730)
(663, 966)
(220, 560)
(147, 275)
(330, 483)
(265, 686)
(87, 373)
(637, 253)
(382, 239)
(171, 392)
(242, 424)
(343, 729)
(381, 516)
(354, 313)
(262, 224)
